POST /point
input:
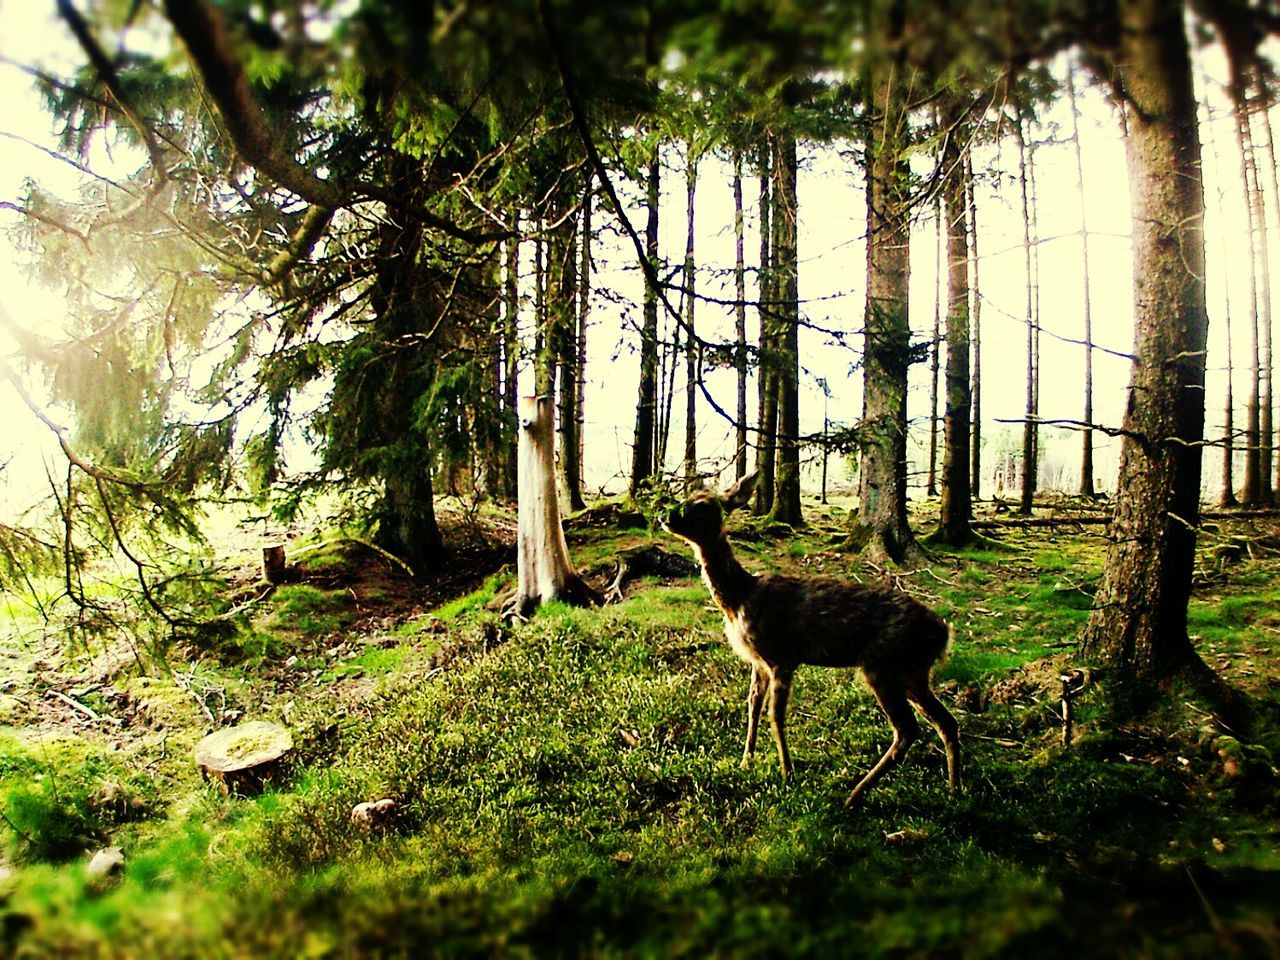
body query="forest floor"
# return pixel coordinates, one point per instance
(572, 785)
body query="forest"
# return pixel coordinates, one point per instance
(426, 424)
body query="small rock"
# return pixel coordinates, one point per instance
(105, 864)
(374, 814)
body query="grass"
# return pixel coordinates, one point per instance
(572, 786)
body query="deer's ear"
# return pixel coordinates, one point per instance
(739, 495)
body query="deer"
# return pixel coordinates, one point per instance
(776, 623)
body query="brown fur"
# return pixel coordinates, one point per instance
(775, 623)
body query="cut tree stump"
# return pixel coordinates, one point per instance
(543, 569)
(242, 759)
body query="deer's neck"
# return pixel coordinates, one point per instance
(729, 582)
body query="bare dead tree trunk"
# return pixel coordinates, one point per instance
(740, 313)
(1266, 430)
(511, 355)
(584, 314)
(543, 363)
(975, 450)
(642, 467)
(1268, 427)
(564, 318)
(691, 343)
(1086, 453)
(1251, 494)
(544, 571)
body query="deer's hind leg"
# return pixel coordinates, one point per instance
(755, 703)
(891, 694)
(920, 693)
(779, 693)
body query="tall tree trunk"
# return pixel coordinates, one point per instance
(666, 395)
(766, 435)
(1029, 431)
(543, 350)
(511, 355)
(691, 351)
(642, 467)
(935, 344)
(564, 320)
(956, 507)
(1266, 428)
(1086, 453)
(1228, 495)
(740, 313)
(584, 315)
(1251, 494)
(786, 498)
(975, 451)
(1138, 626)
(882, 519)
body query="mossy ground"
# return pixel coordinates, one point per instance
(572, 785)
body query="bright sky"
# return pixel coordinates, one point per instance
(832, 281)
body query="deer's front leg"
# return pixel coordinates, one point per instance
(779, 692)
(755, 703)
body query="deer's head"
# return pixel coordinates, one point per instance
(700, 519)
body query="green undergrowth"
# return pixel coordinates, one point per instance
(572, 786)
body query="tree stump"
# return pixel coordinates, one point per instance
(244, 758)
(543, 569)
(274, 568)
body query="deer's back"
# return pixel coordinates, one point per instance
(834, 623)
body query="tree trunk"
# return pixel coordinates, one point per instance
(975, 451)
(642, 467)
(1266, 430)
(1029, 431)
(543, 351)
(1251, 494)
(766, 435)
(511, 357)
(1228, 495)
(1139, 622)
(786, 498)
(564, 320)
(543, 569)
(957, 507)
(740, 314)
(882, 514)
(1086, 453)
(584, 314)
(935, 344)
(691, 350)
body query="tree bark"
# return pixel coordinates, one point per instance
(691, 351)
(1251, 493)
(543, 569)
(786, 498)
(564, 321)
(957, 507)
(511, 357)
(740, 314)
(935, 344)
(1086, 452)
(584, 314)
(975, 450)
(766, 434)
(1266, 430)
(1029, 426)
(1139, 623)
(642, 466)
(882, 514)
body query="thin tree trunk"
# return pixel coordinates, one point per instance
(642, 467)
(511, 355)
(1265, 424)
(564, 314)
(1138, 626)
(584, 313)
(1228, 495)
(935, 346)
(1251, 494)
(740, 313)
(786, 499)
(956, 507)
(1027, 500)
(691, 344)
(766, 435)
(975, 450)
(1086, 453)
(544, 368)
